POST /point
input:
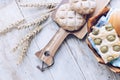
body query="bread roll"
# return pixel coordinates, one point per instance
(69, 19)
(115, 20)
(83, 6)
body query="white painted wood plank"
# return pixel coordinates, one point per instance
(74, 60)
(115, 3)
(8, 68)
(87, 62)
(65, 66)
(10, 71)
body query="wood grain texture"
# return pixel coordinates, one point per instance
(73, 61)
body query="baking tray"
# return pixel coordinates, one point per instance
(91, 22)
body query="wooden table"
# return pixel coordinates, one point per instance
(74, 60)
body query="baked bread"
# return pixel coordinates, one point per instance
(114, 20)
(106, 41)
(69, 19)
(83, 6)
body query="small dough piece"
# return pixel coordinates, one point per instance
(95, 31)
(116, 48)
(111, 37)
(69, 19)
(104, 49)
(97, 41)
(83, 6)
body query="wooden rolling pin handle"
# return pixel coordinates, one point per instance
(47, 54)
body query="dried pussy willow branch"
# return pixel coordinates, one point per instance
(40, 20)
(40, 5)
(11, 27)
(27, 40)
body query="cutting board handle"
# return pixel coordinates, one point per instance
(47, 54)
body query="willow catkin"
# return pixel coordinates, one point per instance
(11, 27)
(40, 5)
(38, 21)
(27, 41)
